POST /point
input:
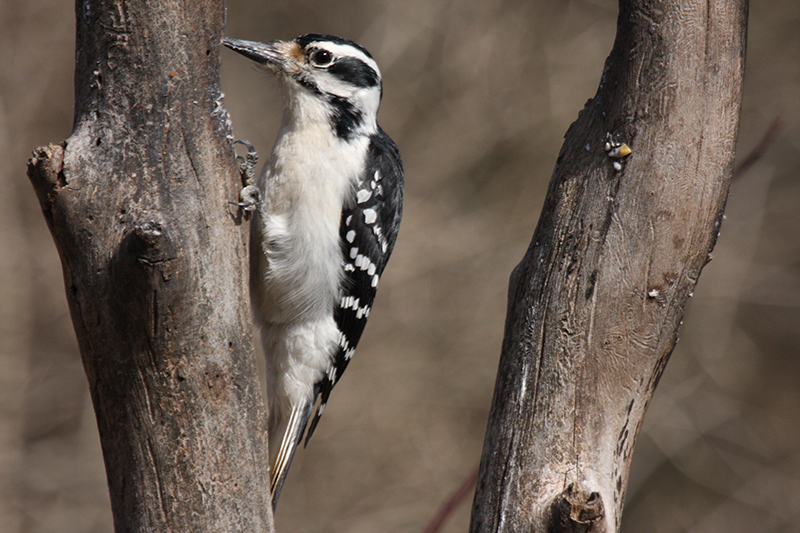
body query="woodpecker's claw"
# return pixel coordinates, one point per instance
(248, 198)
(247, 164)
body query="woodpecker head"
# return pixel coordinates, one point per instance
(324, 77)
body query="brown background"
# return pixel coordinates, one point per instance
(477, 95)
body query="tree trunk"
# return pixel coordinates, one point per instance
(595, 305)
(154, 267)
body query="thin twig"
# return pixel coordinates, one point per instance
(760, 148)
(452, 502)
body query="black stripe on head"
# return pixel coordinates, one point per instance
(305, 40)
(345, 117)
(355, 72)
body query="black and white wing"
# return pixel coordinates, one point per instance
(368, 232)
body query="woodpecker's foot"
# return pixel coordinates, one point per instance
(248, 198)
(247, 164)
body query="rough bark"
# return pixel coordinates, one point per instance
(595, 305)
(137, 203)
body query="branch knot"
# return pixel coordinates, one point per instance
(576, 511)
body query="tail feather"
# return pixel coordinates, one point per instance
(291, 438)
(323, 390)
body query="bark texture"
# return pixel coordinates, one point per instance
(137, 203)
(596, 303)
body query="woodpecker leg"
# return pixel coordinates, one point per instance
(248, 196)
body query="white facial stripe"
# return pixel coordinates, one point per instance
(328, 83)
(345, 50)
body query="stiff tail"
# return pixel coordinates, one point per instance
(291, 438)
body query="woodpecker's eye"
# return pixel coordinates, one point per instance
(321, 58)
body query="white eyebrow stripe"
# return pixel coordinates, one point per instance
(345, 50)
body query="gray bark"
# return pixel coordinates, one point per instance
(595, 305)
(154, 267)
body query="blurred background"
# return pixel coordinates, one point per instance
(478, 96)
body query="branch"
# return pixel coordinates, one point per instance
(758, 151)
(137, 203)
(452, 502)
(595, 305)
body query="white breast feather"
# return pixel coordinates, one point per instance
(304, 185)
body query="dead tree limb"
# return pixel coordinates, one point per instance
(137, 203)
(595, 305)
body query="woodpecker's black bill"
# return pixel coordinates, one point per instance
(260, 52)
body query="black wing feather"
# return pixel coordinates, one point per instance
(368, 231)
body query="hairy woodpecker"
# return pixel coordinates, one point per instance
(327, 209)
